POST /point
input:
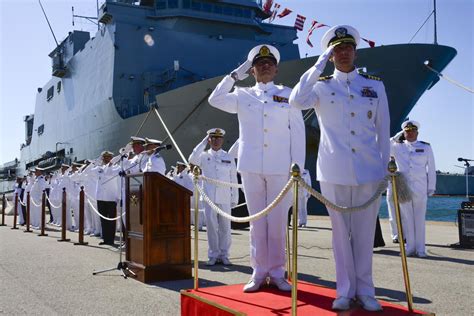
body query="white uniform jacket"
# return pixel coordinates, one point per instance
(220, 166)
(185, 180)
(416, 161)
(352, 111)
(155, 163)
(271, 133)
(108, 183)
(39, 185)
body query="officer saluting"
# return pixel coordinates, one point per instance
(415, 160)
(155, 162)
(271, 138)
(353, 154)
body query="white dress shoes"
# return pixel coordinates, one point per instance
(253, 285)
(369, 303)
(341, 303)
(226, 261)
(281, 283)
(211, 261)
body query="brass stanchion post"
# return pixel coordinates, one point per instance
(392, 167)
(196, 227)
(43, 214)
(4, 206)
(28, 213)
(63, 217)
(288, 252)
(295, 175)
(81, 219)
(15, 212)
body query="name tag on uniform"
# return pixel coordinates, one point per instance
(226, 161)
(368, 92)
(279, 99)
(420, 150)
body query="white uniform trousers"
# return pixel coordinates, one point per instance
(219, 237)
(392, 218)
(97, 227)
(413, 222)
(35, 213)
(267, 234)
(353, 237)
(19, 210)
(302, 210)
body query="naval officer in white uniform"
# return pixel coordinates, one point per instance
(155, 162)
(352, 111)
(415, 160)
(217, 164)
(271, 138)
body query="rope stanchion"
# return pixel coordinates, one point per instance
(81, 241)
(221, 183)
(63, 217)
(196, 172)
(295, 177)
(28, 213)
(15, 212)
(392, 167)
(4, 206)
(43, 215)
(102, 216)
(51, 203)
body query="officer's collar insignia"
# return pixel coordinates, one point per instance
(368, 92)
(279, 99)
(264, 51)
(341, 32)
(369, 115)
(325, 78)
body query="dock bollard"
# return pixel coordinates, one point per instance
(3, 210)
(28, 213)
(15, 212)
(63, 217)
(81, 219)
(43, 215)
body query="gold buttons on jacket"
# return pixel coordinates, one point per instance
(265, 130)
(265, 115)
(264, 101)
(353, 114)
(353, 150)
(265, 145)
(353, 133)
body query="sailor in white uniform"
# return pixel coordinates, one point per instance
(415, 160)
(182, 177)
(352, 112)
(271, 139)
(18, 190)
(215, 163)
(36, 195)
(303, 196)
(155, 162)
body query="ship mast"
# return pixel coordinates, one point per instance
(435, 30)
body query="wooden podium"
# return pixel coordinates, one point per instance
(158, 228)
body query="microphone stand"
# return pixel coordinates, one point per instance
(122, 266)
(466, 172)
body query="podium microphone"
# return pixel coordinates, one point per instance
(162, 147)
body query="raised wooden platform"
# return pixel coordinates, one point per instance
(312, 300)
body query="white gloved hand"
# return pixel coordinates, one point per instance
(323, 59)
(431, 192)
(398, 135)
(242, 71)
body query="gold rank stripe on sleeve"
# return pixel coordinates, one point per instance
(279, 99)
(325, 78)
(367, 76)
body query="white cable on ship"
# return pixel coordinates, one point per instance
(449, 79)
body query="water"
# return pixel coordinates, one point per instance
(442, 209)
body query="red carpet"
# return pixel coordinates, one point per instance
(312, 300)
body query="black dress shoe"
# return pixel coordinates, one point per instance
(395, 240)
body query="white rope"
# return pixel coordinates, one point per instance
(33, 201)
(171, 137)
(106, 218)
(51, 203)
(19, 200)
(344, 209)
(450, 80)
(250, 218)
(221, 183)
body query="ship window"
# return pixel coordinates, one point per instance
(172, 4)
(161, 4)
(207, 7)
(58, 87)
(40, 129)
(196, 6)
(228, 10)
(50, 93)
(186, 4)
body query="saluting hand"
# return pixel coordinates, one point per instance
(242, 71)
(323, 59)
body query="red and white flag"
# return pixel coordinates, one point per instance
(267, 7)
(285, 12)
(371, 43)
(299, 22)
(314, 25)
(276, 7)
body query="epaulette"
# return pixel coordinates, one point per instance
(426, 143)
(325, 78)
(367, 76)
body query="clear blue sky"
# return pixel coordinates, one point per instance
(446, 112)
